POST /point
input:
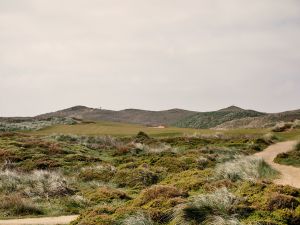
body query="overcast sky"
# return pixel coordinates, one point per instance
(151, 54)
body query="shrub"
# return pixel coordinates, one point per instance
(141, 137)
(139, 177)
(158, 191)
(100, 173)
(189, 180)
(99, 215)
(74, 204)
(106, 194)
(280, 201)
(245, 168)
(159, 200)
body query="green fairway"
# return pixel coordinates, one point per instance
(123, 129)
(118, 129)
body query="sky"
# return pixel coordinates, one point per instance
(150, 54)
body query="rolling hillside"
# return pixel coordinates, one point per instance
(205, 120)
(136, 116)
(262, 121)
(227, 118)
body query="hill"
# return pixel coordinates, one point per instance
(228, 118)
(205, 120)
(267, 120)
(136, 116)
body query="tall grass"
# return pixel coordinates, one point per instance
(39, 183)
(158, 148)
(245, 168)
(214, 208)
(138, 219)
(15, 204)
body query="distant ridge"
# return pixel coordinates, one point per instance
(138, 116)
(227, 118)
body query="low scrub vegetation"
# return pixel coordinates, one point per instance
(143, 180)
(34, 125)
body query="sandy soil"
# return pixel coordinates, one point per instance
(289, 175)
(40, 221)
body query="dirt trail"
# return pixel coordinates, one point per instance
(40, 221)
(289, 175)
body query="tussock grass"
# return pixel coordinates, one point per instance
(282, 126)
(17, 205)
(155, 149)
(39, 183)
(213, 208)
(245, 168)
(138, 219)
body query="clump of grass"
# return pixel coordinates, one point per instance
(39, 183)
(138, 219)
(245, 168)
(214, 208)
(270, 138)
(155, 149)
(282, 126)
(16, 205)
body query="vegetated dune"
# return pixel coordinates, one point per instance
(205, 120)
(268, 120)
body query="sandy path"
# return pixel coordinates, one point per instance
(40, 221)
(289, 175)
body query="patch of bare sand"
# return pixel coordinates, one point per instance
(40, 221)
